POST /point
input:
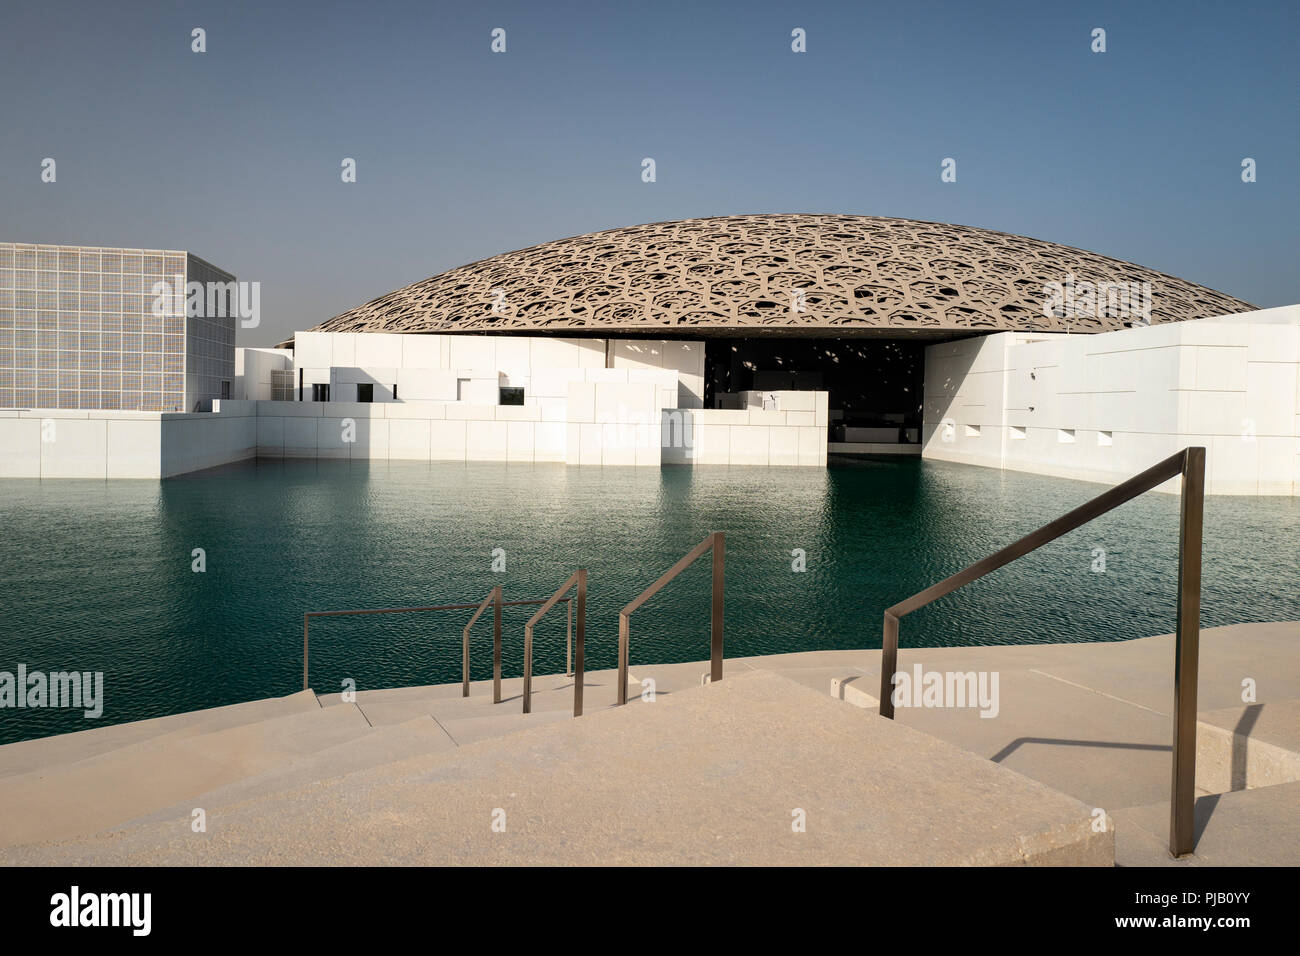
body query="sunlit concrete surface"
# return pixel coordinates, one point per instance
(752, 770)
(1102, 407)
(1080, 728)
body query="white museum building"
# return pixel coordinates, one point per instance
(752, 341)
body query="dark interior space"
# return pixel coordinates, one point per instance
(873, 383)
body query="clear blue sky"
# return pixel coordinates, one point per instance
(234, 154)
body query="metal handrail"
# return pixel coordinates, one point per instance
(493, 598)
(718, 542)
(578, 577)
(1190, 465)
(477, 608)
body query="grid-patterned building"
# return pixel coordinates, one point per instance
(82, 327)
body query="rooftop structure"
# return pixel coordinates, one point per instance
(777, 274)
(83, 327)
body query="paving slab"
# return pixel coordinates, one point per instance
(1259, 827)
(1141, 671)
(25, 756)
(1253, 745)
(1092, 719)
(86, 796)
(420, 737)
(468, 730)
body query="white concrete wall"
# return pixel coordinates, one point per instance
(685, 358)
(409, 431)
(793, 434)
(613, 418)
(1104, 407)
(194, 441)
(54, 443)
(428, 367)
(617, 418)
(253, 369)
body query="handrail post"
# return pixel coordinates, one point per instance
(580, 658)
(568, 638)
(464, 660)
(494, 597)
(496, 645)
(1190, 465)
(579, 577)
(715, 635)
(1187, 654)
(715, 541)
(622, 656)
(528, 668)
(888, 665)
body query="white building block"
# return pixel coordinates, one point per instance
(447, 440)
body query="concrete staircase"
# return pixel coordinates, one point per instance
(143, 767)
(1092, 721)
(755, 769)
(710, 774)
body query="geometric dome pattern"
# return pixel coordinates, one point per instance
(737, 274)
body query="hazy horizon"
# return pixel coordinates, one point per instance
(234, 154)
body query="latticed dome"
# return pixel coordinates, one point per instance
(791, 274)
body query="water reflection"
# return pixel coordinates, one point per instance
(97, 576)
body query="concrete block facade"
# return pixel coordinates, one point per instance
(97, 327)
(254, 373)
(449, 368)
(611, 417)
(792, 432)
(1104, 407)
(103, 444)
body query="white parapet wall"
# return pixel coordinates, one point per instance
(584, 402)
(254, 369)
(1103, 407)
(407, 431)
(57, 443)
(613, 417)
(432, 367)
(791, 433)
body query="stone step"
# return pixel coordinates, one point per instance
(51, 803)
(47, 752)
(713, 774)
(420, 736)
(1254, 745)
(1257, 827)
(550, 692)
(381, 745)
(469, 730)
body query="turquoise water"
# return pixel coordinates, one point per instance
(97, 576)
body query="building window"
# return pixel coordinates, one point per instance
(972, 431)
(1105, 439)
(1017, 433)
(225, 390)
(394, 391)
(1065, 436)
(512, 396)
(281, 385)
(365, 392)
(320, 393)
